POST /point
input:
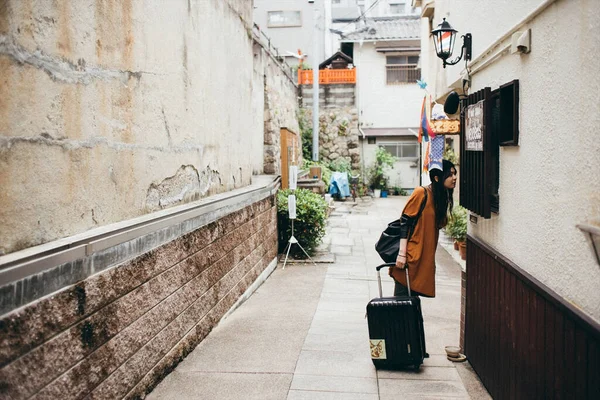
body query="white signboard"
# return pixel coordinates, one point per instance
(292, 206)
(474, 127)
(293, 177)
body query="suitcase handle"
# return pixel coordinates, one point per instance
(391, 265)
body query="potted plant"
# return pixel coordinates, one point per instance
(383, 187)
(449, 229)
(458, 229)
(377, 178)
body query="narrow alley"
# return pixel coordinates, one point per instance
(303, 333)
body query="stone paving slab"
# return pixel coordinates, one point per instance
(349, 363)
(336, 341)
(318, 395)
(446, 373)
(303, 334)
(222, 386)
(420, 388)
(342, 241)
(341, 384)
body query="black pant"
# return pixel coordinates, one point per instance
(401, 290)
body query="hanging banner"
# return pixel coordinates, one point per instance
(474, 127)
(293, 177)
(292, 206)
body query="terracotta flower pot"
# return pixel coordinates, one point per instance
(455, 245)
(462, 248)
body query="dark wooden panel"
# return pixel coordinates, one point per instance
(523, 340)
(593, 375)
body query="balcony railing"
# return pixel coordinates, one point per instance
(402, 74)
(327, 76)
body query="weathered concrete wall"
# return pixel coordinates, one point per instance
(117, 333)
(112, 109)
(279, 101)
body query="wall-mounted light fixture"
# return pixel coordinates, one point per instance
(444, 37)
(594, 235)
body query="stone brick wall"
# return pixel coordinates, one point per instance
(275, 102)
(338, 134)
(117, 333)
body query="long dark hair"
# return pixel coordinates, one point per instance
(442, 197)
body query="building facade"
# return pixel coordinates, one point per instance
(386, 54)
(293, 25)
(532, 305)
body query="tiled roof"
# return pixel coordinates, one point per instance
(387, 29)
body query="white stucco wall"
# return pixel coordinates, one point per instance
(294, 37)
(549, 183)
(109, 110)
(382, 105)
(404, 174)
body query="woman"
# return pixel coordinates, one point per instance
(418, 252)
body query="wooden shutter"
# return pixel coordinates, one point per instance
(476, 172)
(509, 112)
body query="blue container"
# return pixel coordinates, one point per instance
(384, 193)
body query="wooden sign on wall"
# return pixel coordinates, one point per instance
(445, 126)
(474, 126)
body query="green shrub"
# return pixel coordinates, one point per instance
(398, 191)
(341, 165)
(325, 171)
(306, 134)
(376, 172)
(457, 224)
(450, 155)
(309, 225)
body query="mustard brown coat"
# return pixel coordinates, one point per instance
(420, 250)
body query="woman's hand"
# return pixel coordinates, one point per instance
(401, 261)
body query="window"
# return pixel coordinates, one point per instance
(371, 140)
(402, 150)
(279, 19)
(397, 7)
(509, 111)
(402, 69)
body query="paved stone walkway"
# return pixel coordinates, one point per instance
(303, 333)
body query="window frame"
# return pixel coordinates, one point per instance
(509, 111)
(409, 68)
(397, 3)
(270, 25)
(399, 149)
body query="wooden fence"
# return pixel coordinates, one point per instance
(523, 340)
(327, 76)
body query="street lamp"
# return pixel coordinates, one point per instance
(444, 37)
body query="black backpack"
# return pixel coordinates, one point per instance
(388, 244)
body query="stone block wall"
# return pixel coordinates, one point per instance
(117, 333)
(275, 100)
(330, 96)
(338, 134)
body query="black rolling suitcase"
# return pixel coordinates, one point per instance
(396, 332)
